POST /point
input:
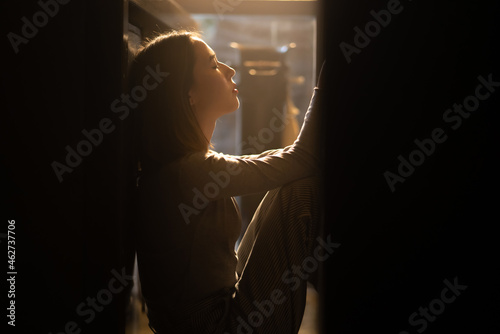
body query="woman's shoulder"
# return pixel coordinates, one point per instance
(196, 167)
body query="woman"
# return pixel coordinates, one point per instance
(191, 277)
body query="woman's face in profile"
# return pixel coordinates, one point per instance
(213, 92)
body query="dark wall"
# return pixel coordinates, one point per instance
(398, 247)
(73, 231)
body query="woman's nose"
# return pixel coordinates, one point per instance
(231, 72)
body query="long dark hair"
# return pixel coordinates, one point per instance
(166, 127)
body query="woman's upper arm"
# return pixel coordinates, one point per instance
(219, 175)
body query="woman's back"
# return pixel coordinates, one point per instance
(194, 259)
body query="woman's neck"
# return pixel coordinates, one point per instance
(207, 127)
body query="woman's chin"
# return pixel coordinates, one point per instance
(231, 108)
(235, 106)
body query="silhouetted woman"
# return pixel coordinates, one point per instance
(191, 277)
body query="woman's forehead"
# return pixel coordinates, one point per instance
(202, 48)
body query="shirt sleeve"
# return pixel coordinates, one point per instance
(218, 175)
